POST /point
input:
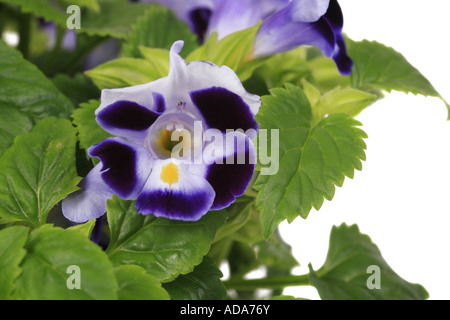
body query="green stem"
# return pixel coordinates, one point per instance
(268, 283)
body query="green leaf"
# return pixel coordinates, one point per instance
(49, 10)
(283, 297)
(378, 66)
(13, 123)
(115, 18)
(158, 28)
(339, 100)
(313, 158)
(136, 284)
(46, 273)
(38, 171)
(125, 72)
(84, 228)
(234, 51)
(78, 88)
(165, 248)
(12, 240)
(89, 132)
(345, 274)
(201, 284)
(24, 87)
(276, 253)
(102, 17)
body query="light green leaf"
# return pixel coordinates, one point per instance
(38, 171)
(379, 66)
(313, 158)
(46, 272)
(339, 100)
(125, 72)
(84, 228)
(89, 132)
(346, 272)
(201, 284)
(234, 51)
(136, 284)
(158, 28)
(24, 87)
(12, 240)
(13, 123)
(164, 248)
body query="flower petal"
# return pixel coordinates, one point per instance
(223, 109)
(280, 33)
(308, 10)
(206, 74)
(173, 191)
(127, 119)
(126, 166)
(335, 19)
(90, 201)
(230, 16)
(231, 170)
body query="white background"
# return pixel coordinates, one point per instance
(401, 198)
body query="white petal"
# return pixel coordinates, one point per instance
(90, 201)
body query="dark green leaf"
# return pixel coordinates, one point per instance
(165, 248)
(24, 87)
(13, 123)
(12, 240)
(201, 284)
(89, 132)
(314, 158)
(46, 273)
(136, 284)
(38, 171)
(346, 273)
(78, 88)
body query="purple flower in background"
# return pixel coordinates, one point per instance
(313, 22)
(286, 24)
(202, 105)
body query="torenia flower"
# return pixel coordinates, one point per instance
(313, 22)
(176, 148)
(286, 24)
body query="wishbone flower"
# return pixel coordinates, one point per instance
(285, 24)
(143, 161)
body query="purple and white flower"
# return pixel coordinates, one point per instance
(138, 163)
(286, 24)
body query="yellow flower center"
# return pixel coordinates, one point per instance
(169, 174)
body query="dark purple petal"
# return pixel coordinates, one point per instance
(223, 109)
(199, 22)
(342, 60)
(126, 115)
(334, 16)
(119, 169)
(335, 19)
(175, 204)
(230, 176)
(160, 102)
